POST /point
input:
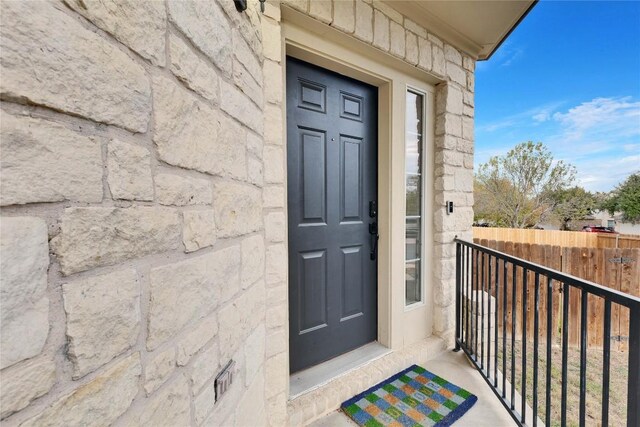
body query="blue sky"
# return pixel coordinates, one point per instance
(568, 76)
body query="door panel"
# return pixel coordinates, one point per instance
(332, 177)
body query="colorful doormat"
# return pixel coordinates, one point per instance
(413, 397)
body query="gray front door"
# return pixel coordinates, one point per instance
(332, 197)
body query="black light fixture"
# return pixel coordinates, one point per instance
(241, 5)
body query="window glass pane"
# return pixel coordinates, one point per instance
(412, 238)
(414, 195)
(413, 174)
(412, 274)
(412, 162)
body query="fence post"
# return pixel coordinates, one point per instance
(633, 393)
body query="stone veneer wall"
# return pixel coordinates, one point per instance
(143, 204)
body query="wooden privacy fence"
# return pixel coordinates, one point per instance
(578, 239)
(617, 269)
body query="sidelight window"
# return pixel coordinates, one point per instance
(414, 206)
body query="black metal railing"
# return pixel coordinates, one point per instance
(497, 294)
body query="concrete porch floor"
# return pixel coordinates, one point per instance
(454, 367)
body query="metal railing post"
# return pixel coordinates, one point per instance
(458, 294)
(633, 393)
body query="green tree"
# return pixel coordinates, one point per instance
(572, 204)
(519, 186)
(625, 198)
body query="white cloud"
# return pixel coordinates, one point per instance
(538, 114)
(601, 137)
(601, 116)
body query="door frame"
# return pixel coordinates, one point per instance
(309, 40)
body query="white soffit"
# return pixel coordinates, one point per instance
(477, 27)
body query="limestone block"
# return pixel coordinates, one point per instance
(321, 10)
(425, 59)
(254, 145)
(467, 128)
(199, 230)
(468, 63)
(380, 30)
(276, 264)
(301, 5)
(451, 54)
(451, 96)
(464, 180)
(103, 317)
(444, 318)
(158, 369)
(196, 339)
(96, 236)
(415, 28)
(253, 255)
(194, 72)
(438, 63)
(176, 190)
(276, 317)
(364, 22)
(273, 124)
(25, 382)
(277, 410)
(435, 40)
(468, 111)
(24, 259)
(246, 57)
(141, 25)
(238, 105)
(240, 316)
(168, 407)
(273, 78)
(192, 135)
(277, 295)
(254, 354)
(272, 10)
(467, 97)
(273, 164)
(43, 161)
(449, 124)
(205, 367)
(389, 11)
(129, 171)
(238, 208)
(195, 283)
(255, 174)
(204, 403)
(50, 59)
(206, 26)
(276, 375)
(471, 81)
(251, 410)
(457, 74)
(247, 23)
(99, 402)
(344, 15)
(271, 40)
(277, 340)
(397, 39)
(273, 196)
(412, 52)
(247, 84)
(468, 160)
(275, 227)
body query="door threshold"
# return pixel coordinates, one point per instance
(312, 378)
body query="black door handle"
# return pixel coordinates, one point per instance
(373, 232)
